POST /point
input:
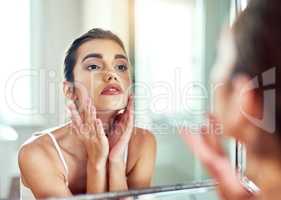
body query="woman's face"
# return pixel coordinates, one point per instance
(102, 71)
(224, 107)
(237, 105)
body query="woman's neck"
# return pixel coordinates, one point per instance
(71, 141)
(264, 164)
(107, 118)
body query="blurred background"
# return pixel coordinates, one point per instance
(171, 45)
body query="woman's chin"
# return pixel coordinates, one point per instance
(111, 108)
(111, 103)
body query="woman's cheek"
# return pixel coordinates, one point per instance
(126, 82)
(219, 104)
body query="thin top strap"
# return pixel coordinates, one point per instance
(126, 158)
(60, 156)
(126, 155)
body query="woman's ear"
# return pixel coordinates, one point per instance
(68, 90)
(246, 102)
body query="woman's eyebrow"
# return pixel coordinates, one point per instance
(92, 55)
(118, 56)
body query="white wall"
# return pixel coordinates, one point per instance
(54, 24)
(107, 14)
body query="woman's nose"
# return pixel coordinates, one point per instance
(109, 76)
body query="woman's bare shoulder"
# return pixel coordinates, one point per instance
(143, 136)
(142, 140)
(39, 168)
(142, 147)
(39, 146)
(34, 150)
(36, 155)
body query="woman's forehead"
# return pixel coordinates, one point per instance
(226, 56)
(105, 47)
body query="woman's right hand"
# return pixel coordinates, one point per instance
(207, 147)
(90, 131)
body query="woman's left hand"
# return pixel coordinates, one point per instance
(121, 133)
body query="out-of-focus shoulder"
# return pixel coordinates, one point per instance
(145, 136)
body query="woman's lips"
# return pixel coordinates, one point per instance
(112, 89)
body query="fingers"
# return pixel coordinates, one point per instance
(100, 131)
(130, 103)
(90, 132)
(218, 166)
(211, 133)
(129, 120)
(203, 151)
(206, 153)
(87, 110)
(130, 106)
(75, 116)
(123, 127)
(93, 111)
(129, 109)
(197, 145)
(128, 115)
(90, 111)
(214, 135)
(89, 127)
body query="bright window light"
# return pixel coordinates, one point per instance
(244, 4)
(15, 60)
(167, 56)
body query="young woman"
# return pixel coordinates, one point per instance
(100, 150)
(248, 105)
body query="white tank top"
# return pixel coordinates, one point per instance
(26, 193)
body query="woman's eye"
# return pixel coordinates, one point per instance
(122, 67)
(93, 67)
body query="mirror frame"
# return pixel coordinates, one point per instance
(206, 185)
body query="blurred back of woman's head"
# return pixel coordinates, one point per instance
(257, 41)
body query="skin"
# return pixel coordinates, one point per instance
(93, 148)
(263, 151)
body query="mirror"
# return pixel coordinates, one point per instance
(171, 45)
(175, 48)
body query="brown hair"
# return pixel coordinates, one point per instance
(96, 33)
(257, 37)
